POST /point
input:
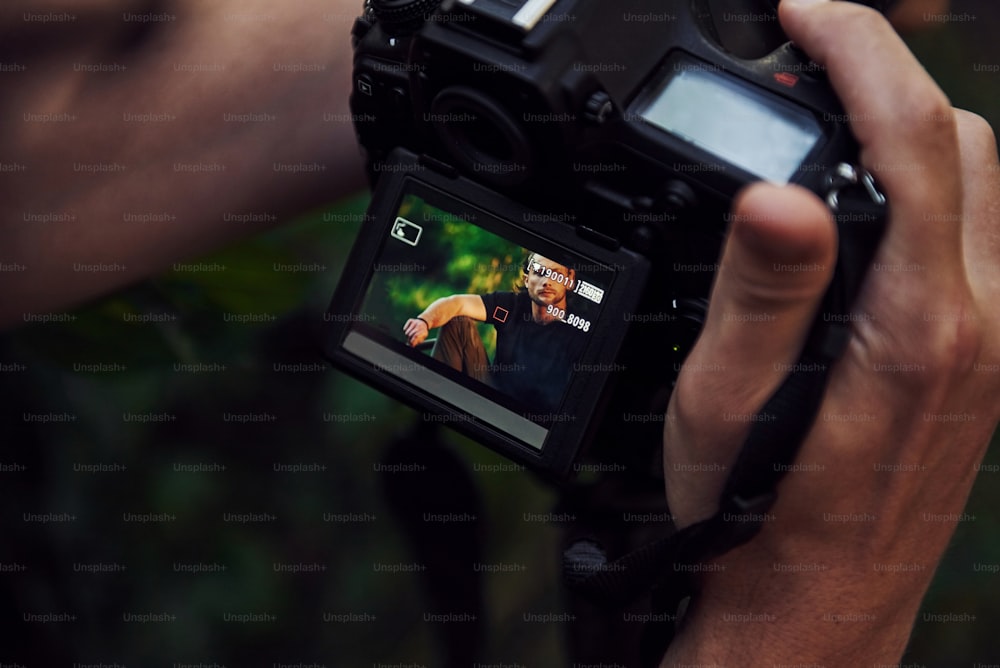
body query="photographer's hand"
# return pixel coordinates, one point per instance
(885, 472)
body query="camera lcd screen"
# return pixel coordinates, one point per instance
(507, 317)
(760, 133)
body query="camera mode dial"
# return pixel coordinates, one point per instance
(400, 16)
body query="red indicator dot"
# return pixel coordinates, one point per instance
(786, 79)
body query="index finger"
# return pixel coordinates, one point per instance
(903, 121)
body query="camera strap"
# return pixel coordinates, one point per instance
(669, 565)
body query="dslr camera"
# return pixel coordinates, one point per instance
(552, 185)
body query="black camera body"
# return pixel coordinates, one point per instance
(560, 112)
(611, 136)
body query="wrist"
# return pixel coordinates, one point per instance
(760, 606)
(426, 324)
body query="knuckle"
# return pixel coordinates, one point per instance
(930, 111)
(692, 394)
(925, 125)
(863, 15)
(931, 351)
(976, 126)
(953, 345)
(977, 136)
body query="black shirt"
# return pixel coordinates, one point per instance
(534, 361)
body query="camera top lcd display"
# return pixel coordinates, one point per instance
(762, 134)
(478, 313)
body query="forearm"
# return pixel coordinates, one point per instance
(200, 134)
(440, 311)
(801, 610)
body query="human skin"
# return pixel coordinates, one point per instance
(543, 290)
(909, 410)
(439, 312)
(242, 42)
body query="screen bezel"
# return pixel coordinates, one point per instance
(506, 218)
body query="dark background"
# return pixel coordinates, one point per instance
(335, 523)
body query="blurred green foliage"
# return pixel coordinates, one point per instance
(320, 417)
(301, 433)
(453, 257)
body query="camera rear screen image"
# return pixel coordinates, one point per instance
(479, 313)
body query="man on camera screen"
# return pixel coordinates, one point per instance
(535, 347)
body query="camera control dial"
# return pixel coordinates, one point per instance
(400, 16)
(598, 107)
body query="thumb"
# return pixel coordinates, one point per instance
(776, 265)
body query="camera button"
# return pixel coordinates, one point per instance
(598, 107)
(365, 85)
(677, 196)
(400, 99)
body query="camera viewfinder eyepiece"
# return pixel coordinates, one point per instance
(482, 136)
